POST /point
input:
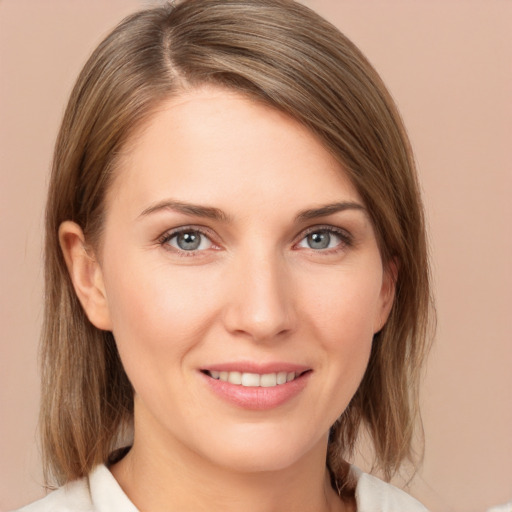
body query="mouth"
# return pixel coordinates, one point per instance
(250, 387)
(254, 380)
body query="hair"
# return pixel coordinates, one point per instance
(284, 55)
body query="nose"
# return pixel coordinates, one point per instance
(260, 304)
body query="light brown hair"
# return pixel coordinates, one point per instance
(282, 54)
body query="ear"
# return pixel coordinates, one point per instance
(387, 294)
(86, 274)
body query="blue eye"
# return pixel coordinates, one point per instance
(322, 239)
(189, 240)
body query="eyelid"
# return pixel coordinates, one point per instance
(345, 236)
(171, 233)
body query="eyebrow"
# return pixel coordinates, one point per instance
(329, 209)
(208, 212)
(213, 213)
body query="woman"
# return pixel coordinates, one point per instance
(236, 270)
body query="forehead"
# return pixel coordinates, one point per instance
(209, 142)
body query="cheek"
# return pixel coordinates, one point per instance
(341, 317)
(157, 314)
(345, 304)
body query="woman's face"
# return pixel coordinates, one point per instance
(243, 282)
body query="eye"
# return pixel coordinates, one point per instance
(188, 240)
(320, 239)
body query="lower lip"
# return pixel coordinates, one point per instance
(257, 398)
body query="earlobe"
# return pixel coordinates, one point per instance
(387, 294)
(86, 275)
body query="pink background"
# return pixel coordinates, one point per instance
(448, 63)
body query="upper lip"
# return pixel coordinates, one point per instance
(259, 368)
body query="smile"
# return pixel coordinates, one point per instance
(256, 387)
(253, 380)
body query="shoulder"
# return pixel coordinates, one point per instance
(374, 495)
(73, 497)
(100, 492)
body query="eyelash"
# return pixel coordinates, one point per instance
(346, 239)
(169, 235)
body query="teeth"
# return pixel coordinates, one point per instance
(251, 379)
(254, 380)
(235, 378)
(268, 380)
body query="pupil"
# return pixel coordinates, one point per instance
(319, 240)
(188, 241)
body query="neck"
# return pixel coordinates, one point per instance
(168, 477)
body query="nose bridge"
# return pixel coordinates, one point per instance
(260, 305)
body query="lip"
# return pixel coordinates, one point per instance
(251, 367)
(257, 398)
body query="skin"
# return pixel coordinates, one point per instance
(254, 291)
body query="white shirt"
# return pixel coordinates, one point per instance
(100, 492)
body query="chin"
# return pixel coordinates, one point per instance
(263, 451)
